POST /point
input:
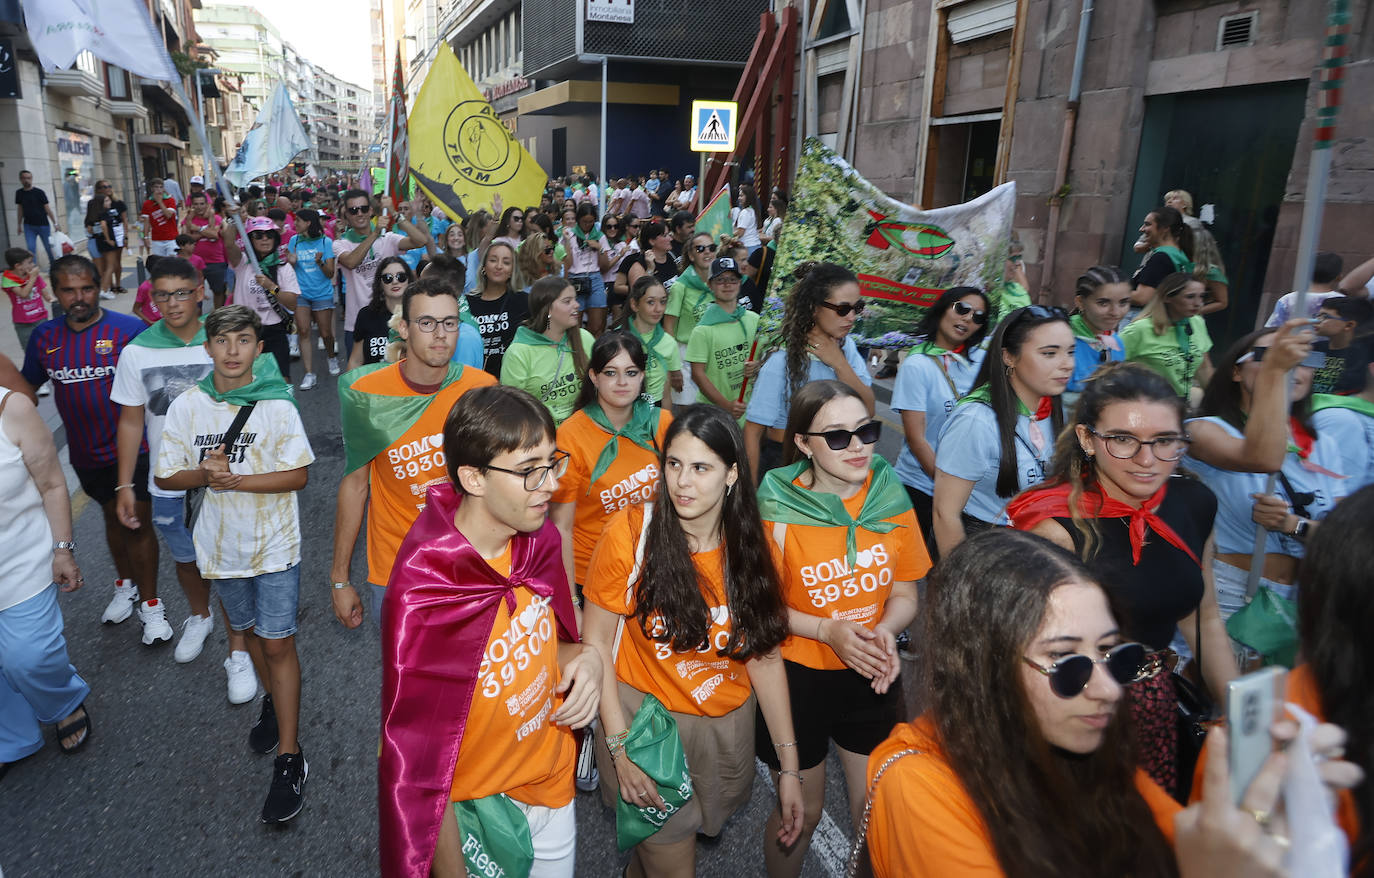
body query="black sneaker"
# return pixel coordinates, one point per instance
(287, 795)
(262, 737)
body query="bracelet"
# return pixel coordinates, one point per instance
(793, 772)
(618, 739)
(819, 623)
(122, 487)
(339, 585)
(788, 744)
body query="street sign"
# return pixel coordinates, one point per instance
(616, 11)
(713, 125)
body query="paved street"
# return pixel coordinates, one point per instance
(167, 785)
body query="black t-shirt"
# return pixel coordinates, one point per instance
(1345, 370)
(762, 262)
(675, 247)
(1153, 270)
(32, 201)
(1154, 595)
(749, 295)
(497, 320)
(371, 331)
(664, 271)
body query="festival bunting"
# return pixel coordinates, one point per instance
(398, 161)
(461, 154)
(715, 219)
(904, 257)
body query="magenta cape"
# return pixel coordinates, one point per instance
(441, 605)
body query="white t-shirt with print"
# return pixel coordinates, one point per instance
(153, 378)
(247, 290)
(239, 534)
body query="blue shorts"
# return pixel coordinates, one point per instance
(266, 603)
(322, 304)
(169, 517)
(597, 299)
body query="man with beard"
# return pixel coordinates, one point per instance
(79, 353)
(362, 247)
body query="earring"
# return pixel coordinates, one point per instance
(729, 489)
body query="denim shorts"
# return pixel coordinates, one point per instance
(169, 517)
(597, 298)
(266, 603)
(324, 303)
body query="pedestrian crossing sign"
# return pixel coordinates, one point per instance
(713, 125)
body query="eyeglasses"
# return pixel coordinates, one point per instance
(258, 236)
(1313, 360)
(610, 227)
(844, 309)
(359, 208)
(390, 278)
(838, 440)
(1124, 446)
(1127, 663)
(179, 295)
(429, 324)
(517, 217)
(964, 309)
(704, 248)
(536, 476)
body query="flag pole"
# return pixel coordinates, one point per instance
(1309, 229)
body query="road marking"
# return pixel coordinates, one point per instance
(829, 844)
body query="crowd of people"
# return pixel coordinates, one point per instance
(665, 546)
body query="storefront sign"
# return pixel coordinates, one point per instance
(617, 11)
(509, 87)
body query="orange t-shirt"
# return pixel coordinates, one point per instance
(816, 577)
(699, 682)
(509, 744)
(631, 479)
(925, 824)
(401, 473)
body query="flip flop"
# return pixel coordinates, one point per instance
(80, 724)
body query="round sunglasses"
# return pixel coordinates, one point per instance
(844, 309)
(389, 278)
(1127, 663)
(964, 309)
(838, 440)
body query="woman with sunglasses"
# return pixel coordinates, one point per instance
(372, 330)
(1102, 297)
(613, 439)
(617, 245)
(935, 375)
(499, 307)
(683, 601)
(689, 296)
(271, 291)
(1031, 772)
(1170, 335)
(1246, 431)
(851, 555)
(821, 310)
(998, 440)
(644, 319)
(511, 229)
(583, 246)
(536, 260)
(548, 355)
(1113, 498)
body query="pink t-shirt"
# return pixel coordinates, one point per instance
(209, 250)
(584, 259)
(247, 290)
(28, 310)
(358, 281)
(144, 304)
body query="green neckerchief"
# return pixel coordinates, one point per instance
(1176, 256)
(525, 335)
(1081, 329)
(781, 499)
(716, 315)
(160, 336)
(651, 343)
(639, 429)
(983, 394)
(372, 421)
(693, 280)
(931, 349)
(1335, 401)
(1181, 337)
(355, 237)
(583, 237)
(267, 383)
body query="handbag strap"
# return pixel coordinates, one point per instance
(236, 426)
(861, 837)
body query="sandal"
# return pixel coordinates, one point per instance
(76, 726)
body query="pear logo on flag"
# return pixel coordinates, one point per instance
(478, 146)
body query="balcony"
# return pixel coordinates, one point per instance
(160, 140)
(74, 82)
(125, 109)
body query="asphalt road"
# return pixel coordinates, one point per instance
(168, 786)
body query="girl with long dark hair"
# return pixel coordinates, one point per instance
(851, 555)
(644, 319)
(1113, 497)
(311, 254)
(1170, 243)
(746, 220)
(372, 331)
(935, 375)
(1102, 297)
(613, 441)
(821, 310)
(689, 610)
(548, 356)
(271, 292)
(613, 226)
(498, 306)
(511, 229)
(998, 440)
(1170, 335)
(655, 255)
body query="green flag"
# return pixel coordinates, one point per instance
(715, 219)
(372, 421)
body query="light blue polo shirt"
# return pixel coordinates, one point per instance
(768, 405)
(969, 449)
(1353, 435)
(924, 385)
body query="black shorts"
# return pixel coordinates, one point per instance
(838, 706)
(99, 482)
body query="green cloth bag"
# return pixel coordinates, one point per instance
(655, 746)
(495, 836)
(1269, 626)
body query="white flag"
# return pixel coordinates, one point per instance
(271, 143)
(118, 32)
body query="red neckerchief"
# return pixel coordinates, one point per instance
(1045, 409)
(1038, 504)
(1302, 439)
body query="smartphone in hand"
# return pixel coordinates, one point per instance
(1253, 703)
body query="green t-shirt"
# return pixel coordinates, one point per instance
(724, 349)
(548, 372)
(668, 359)
(687, 303)
(1163, 352)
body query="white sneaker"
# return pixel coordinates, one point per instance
(295, 341)
(106, 295)
(154, 618)
(45, 390)
(319, 343)
(333, 365)
(243, 680)
(308, 382)
(121, 605)
(193, 633)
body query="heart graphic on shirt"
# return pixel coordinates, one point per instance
(720, 615)
(864, 559)
(528, 617)
(436, 441)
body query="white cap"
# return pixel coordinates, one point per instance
(198, 179)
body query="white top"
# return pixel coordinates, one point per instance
(239, 534)
(749, 221)
(152, 378)
(247, 290)
(26, 563)
(358, 281)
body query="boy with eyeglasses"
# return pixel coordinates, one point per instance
(160, 364)
(362, 247)
(720, 349)
(392, 415)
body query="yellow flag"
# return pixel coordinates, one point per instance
(460, 152)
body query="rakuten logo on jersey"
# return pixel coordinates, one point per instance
(71, 375)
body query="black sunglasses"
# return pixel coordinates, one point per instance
(704, 248)
(1126, 662)
(257, 236)
(390, 278)
(838, 440)
(360, 208)
(548, 250)
(964, 309)
(844, 309)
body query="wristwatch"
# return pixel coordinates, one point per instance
(1301, 529)
(64, 544)
(339, 585)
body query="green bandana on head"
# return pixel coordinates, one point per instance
(160, 336)
(267, 383)
(640, 430)
(372, 421)
(781, 499)
(716, 315)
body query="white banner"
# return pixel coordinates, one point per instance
(116, 31)
(271, 143)
(617, 11)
